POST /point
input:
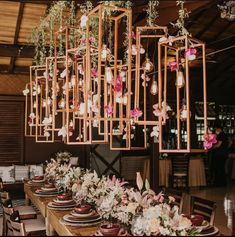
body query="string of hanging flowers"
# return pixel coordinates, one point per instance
(183, 14)
(152, 12)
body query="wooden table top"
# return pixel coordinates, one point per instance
(54, 217)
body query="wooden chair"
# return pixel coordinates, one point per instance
(3, 197)
(203, 207)
(26, 212)
(178, 195)
(1, 185)
(26, 227)
(233, 223)
(180, 172)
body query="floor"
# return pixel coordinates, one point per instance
(225, 199)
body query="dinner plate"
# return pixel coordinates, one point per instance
(82, 221)
(60, 208)
(48, 189)
(80, 224)
(209, 232)
(51, 204)
(63, 201)
(38, 181)
(204, 225)
(91, 213)
(45, 195)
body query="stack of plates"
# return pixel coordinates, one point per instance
(209, 231)
(46, 192)
(82, 220)
(36, 182)
(60, 205)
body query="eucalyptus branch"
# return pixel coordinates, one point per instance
(152, 12)
(183, 14)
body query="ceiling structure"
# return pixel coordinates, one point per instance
(18, 18)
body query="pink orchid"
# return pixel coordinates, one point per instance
(173, 66)
(108, 110)
(94, 72)
(118, 85)
(133, 36)
(92, 39)
(209, 140)
(95, 109)
(190, 53)
(157, 112)
(136, 113)
(83, 40)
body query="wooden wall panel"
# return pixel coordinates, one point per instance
(11, 132)
(12, 84)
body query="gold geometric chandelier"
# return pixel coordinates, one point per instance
(96, 85)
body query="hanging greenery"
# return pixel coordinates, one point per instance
(127, 34)
(72, 22)
(183, 14)
(152, 12)
(40, 33)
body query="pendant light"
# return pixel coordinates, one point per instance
(108, 74)
(147, 65)
(154, 86)
(180, 81)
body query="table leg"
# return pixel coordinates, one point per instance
(49, 229)
(27, 200)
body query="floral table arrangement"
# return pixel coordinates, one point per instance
(124, 210)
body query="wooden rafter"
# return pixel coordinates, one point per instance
(16, 50)
(207, 26)
(17, 31)
(223, 29)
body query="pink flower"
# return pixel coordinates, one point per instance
(209, 140)
(83, 40)
(95, 109)
(190, 53)
(133, 36)
(118, 85)
(173, 66)
(94, 72)
(108, 110)
(136, 113)
(157, 112)
(92, 39)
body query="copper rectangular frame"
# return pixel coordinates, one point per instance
(184, 40)
(29, 102)
(142, 32)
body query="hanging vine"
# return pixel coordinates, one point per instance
(183, 14)
(152, 12)
(128, 5)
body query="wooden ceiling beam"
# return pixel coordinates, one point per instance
(17, 31)
(4, 69)
(16, 50)
(208, 25)
(223, 29)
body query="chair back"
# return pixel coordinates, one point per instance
(7, 211)
(1, 185)
(204, 207)
(180, 165)
(4, 196)
(17, 227)
(178, 196)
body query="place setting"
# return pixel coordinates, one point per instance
(62, 202)
(47, 190)
(37, 181)
(83, 215)
(203, 226)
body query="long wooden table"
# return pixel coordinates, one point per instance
(52, 218)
